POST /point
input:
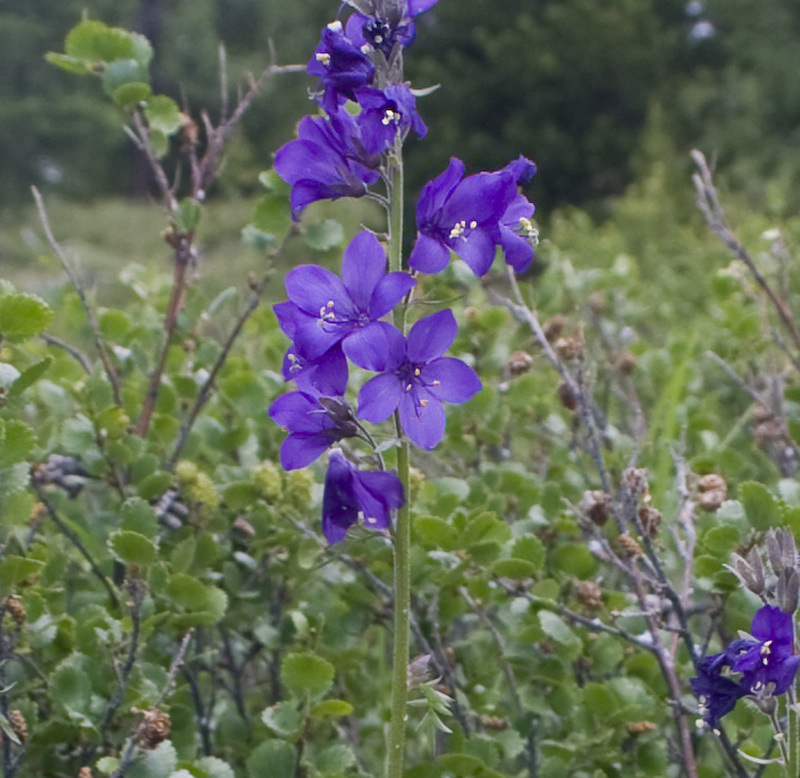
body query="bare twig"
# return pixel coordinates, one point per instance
(78, 287)
(714, 214)
(78, 543)
(75, 353)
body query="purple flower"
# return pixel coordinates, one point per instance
(327, 161)
(463, 216)
(768, 656)
(314, 423)
(717, 694)
(414, 377)
(385, 113)
(341, 66)
(327, 310)
(517, 235)
(382, 24)
(763, 663)
(351, 494)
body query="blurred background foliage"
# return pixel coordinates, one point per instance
(572, 83)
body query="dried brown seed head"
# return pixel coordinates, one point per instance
(712, 500)
(651, 519)
(590, 594)
(16, 609)
(569, 347)
(567, 396)
(155, 729)
(712, 482)
(519, 362)
(552, 328)
(630, 547)
(597, 505)
(626, 363)
(18, 725)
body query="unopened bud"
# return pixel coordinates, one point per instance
(788, 591)
(155, 729)
(519, 363)
(597, 505)
(590, 594)
(18, 725)
(751, 575)
(567, 396)
(493, 723)
(626, 364)
(712, 482)
(712, 500)
(630, 546)
(639, 727)
(569, 347)
(552, 328)
(16, 609)
(418, 670)
(651, 520)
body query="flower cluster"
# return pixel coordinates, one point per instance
(762, 664)
(333, 321)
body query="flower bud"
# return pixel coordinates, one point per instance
(268, 481)
(298, 487)
(590, 594)
(418, 670)
(519, 363)
(597, 505)
(651, 519)
(787, 594)
(630, 546)
(155, 729)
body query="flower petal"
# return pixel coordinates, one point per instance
(379, 346)
(392, 288)
(430, 337)
(457, 382)
(363, 266)
(435, 193)
(476, 249)
(379, 397)
(428, 255)
(339, 504)
(311, 288)
(300, 449)
(424, 426)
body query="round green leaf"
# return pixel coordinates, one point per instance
(273, 759)
(556, 628)
(138, 516)
(332, 709)
(513, 568)
(324, 236)
(306, 673)
(132, 548)
(762, 509)
(163, 114)
(436, 532)
(94, 41)
(15, 569)
(23, 316)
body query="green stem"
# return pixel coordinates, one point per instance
(402, 531)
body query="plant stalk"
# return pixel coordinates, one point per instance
(402, 530)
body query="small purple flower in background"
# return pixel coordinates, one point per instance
(762, 664)
(517, 234)
(327, 309)
(414, 377)
(352, 494)
(462, 215)
(768, 656)
(327, 161)
(385, 113)
(341, 66)
(382, 24)
(314, 423)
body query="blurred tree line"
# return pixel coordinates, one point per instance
(570, 83)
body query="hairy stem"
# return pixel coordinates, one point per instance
(402, 531)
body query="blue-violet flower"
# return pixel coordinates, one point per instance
(352, 494)
(328, 309)
(386, 112)
(414, 377)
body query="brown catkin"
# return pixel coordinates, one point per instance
(155, 729)
(630, 546)
(18, 725)
(590, 594)
(16, 609)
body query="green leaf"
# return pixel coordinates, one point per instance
(513, 568)
(215, 768)
(336, 760)
(29, 377)
(574, 559)
(272, 759)
(163, 114)
(599, 700)
(324, 236)
(557, 629)
(160, 762)
(107, 764)
(720, 541)
(15, 569)
(96, 42)
(71, 687)
(272, 182)
(159, 142)
(70, 64)
(284, 719)
(131, 94)
(187, 592)
(486, 527)
(5, 725)
(132, 548)
(762, 509)
(14, 479)
(436, 532)
(123, 72)
(138, 516)
(189, 211)
(23, 316)
(531, 548)
(240, 494)
(273, 215)
(332, 709)
(306, 673)
(16, 442)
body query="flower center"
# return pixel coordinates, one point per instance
(323, 58)
(459, 228)
(527, 230)
(390, 117)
